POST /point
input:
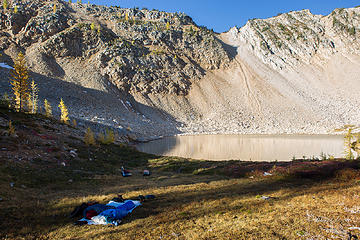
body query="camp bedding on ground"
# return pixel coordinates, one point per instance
(110, 213)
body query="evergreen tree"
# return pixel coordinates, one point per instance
(48, 110)
(110, 136)
(11, 130)
(64, 112)
(5, 4)
(19, 81)
(89, 137)
(74, 123)
(92, 26)
(101, 138)
(33, 98)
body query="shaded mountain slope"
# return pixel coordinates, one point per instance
(159, 73)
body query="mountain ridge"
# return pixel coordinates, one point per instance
(162, 74)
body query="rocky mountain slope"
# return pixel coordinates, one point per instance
(160, 74)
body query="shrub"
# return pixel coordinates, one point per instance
(347, 174)
(352, 31)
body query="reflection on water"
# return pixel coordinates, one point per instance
(245, 147)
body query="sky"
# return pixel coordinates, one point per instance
(221, 15)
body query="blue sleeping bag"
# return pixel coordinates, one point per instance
(119, 212)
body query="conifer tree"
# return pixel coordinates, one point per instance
(48, 110)
(89, 137)
(11, 130)
(110, 136)
(5, 100)
(33, 98)
(64, 112)
(167, 26)
(19, 81)
(74, 123)
(101, 138)
(92, 26)
(5, 4)
(126, 17)
(15, 9)
(54, 8)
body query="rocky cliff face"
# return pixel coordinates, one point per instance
(160, 73)
(136, 50)
(296, 37)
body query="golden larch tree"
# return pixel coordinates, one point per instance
(89, 138)
(64, 117)
(101, 138)
(16, 9)
(74, 123)
(92, 26)
(110, 136)
(48, 109)
(11, 130)
(5, 4)
(33, 98)
(20, 82)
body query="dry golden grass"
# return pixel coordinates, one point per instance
(190, 207)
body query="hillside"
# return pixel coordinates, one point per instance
(46, 170)
(158, 73)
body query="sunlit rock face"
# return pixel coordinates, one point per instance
(161, 74)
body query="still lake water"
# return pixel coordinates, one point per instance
(246, 147)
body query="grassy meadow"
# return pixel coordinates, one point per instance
(41, 182)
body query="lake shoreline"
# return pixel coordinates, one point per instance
(246, 147)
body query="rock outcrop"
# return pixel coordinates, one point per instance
(160, 73)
